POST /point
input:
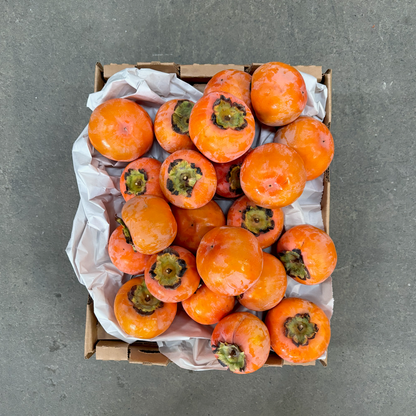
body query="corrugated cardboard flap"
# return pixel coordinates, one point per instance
(147, 354)
(202, 73)
(112, 351)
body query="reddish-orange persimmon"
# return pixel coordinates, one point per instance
(265, 223)
(233, 82)
(121, 130)
(299, 330)
(139, 313)
(278, 93)
(188, 179)
(141, 177)
(273, 175)
(308, 254)
(222, 127)
(193, 224)
(151, 223)
(122, 253)
(207, 307)
(269, 290)
(229, 260)
(241, 342)
(171, 275)
(312, 140)
(172, 125)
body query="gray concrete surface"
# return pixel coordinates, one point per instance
(47, 54)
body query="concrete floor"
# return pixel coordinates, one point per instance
(47, 55)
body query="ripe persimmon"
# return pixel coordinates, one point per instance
(188, 179)
(273, 175)
(222, 127)
(269, 290)
(241, 342)
(193, 224)
(229, 260)
(278, 93)
(122, 252)
(264, 223)
(172, 125)
(231, 81)
(312, 140)
(171, 275)
(141, 177)
(139, 313)
(120, 130)
(299, 330)
(308, 254)
(151, 223)
(207, 307)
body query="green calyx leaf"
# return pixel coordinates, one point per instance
(135, 180)
(180, 116)
(144, 303)
(168, 269)
(228, 115)
(257, 220)
(182, 177)
(300, 330)
(126, 232)
(233, 178)
(294, 264)
(231, 356)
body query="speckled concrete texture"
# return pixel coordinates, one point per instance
(48, 51)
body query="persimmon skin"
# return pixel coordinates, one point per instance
(189, 281)
(273, 175)
(217, 144)
(278, 93)
(207, 307)
(312, 140)
(151, 223)
(152, 168)
(193, 224)
(269, 290)
(231, 81)
(168, 138)
(249, 334)
(120, 130)
(284, 346)
(229, 260)
(140, 326)
(204, 189)
(317, 249)
(123, 256)
(235, 219)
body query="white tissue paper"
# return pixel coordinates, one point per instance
(186, 342)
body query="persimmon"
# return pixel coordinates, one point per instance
(139, 313)
(122, 252)
(299, 330)
(171, 275)
(193, 224)
(121, 130)
(188, 179)
(312, 140)
(172, 125)
(141, 177)
(231, 81)
(266, 224)
(278, 93)
(222, 127)
(207, 307)
(308, 254)
(241, 342)
(269, 290)
(229, 260)
(273, 175)
(151, 223)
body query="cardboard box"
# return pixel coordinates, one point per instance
(107, 347)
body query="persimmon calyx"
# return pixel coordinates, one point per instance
(135, 180)
(180, 116)
(294, 264)
(144, 303)
(228, 114)
(126, 232)
(257, 220)
(168, 269)
(233, 178)
(182, 177)
(300, 329)
(230, 355)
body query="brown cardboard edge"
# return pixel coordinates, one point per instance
(98, 77)
(314, 70)
(90, 338)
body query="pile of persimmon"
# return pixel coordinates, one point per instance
(180, 246)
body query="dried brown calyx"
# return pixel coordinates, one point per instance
(126, 232)
(180, 116)
(144, 303)
(168, 269)
(228, 114)
(300, 329)
(257, 220)
(294, 264)
(230, 355)
(135, 180)
(183, 176)
(233, 178)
